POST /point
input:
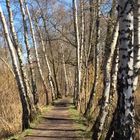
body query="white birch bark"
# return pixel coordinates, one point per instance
(36, 53)
(114, 74)
(113, 93)
(26, 40)
(76, 26)
(124, 127)
(57, 93)
(107, 80)
(25, 80)
(47, 62)
(22, 92)
(65, 71)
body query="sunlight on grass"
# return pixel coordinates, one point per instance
(79, 122)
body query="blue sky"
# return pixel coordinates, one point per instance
(18, 18)
(67, 3)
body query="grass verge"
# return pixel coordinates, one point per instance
(38, 119)
(80, 123)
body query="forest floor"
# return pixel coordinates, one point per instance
(61, 122)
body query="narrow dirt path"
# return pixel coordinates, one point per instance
(57, 125)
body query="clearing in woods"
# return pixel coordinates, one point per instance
(59, 124)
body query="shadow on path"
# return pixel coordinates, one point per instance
(56, 125)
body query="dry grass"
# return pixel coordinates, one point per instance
(10, 107)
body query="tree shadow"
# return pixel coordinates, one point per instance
(58, 119)
(58, 137)
(62, 104)
(55, 129)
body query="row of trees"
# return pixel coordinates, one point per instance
(120, 65)
(97, 50)
(26, 77)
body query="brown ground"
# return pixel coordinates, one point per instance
(57, 125)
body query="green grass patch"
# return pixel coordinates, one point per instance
(38, 119)
(80, 122)
(21, 135)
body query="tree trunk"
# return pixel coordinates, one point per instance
(136, 43)
(91, 31)
(113, 94)
(47, 62)
(75, 86)
(114, 73)
(65, 71)
(99, 124)
(76, 27)
(25, 80)
(96, 69)
(58, 94)
(82, 43)
(25, 111)
(36, 54)
(124, 126)
(26, 40)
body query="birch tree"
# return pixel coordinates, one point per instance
(113, 93)
(36, 53)
(124, 126)
(96, 63)
(48, 40)
(87, 51)
(26, 40)
(21, 88)
(92, 14)
(99, 124)
(50, 76)
(65, 71)
(24, 76)
(114, 72)
(58, 94)
(77, 38)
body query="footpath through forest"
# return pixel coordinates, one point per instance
(59, 123)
